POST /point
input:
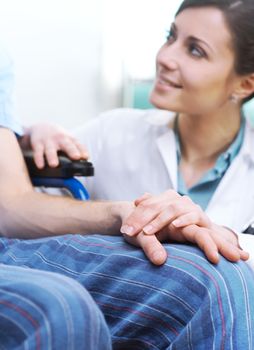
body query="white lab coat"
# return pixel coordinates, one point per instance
(134, 151)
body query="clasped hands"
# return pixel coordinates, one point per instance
(155, 219)
(169, 217)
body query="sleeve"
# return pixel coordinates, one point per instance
(7, 119)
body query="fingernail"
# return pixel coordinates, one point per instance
(148, 229)
(216, 257)
(128, 230)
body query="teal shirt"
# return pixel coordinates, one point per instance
(202, 192)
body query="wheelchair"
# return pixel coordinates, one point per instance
(62, 176)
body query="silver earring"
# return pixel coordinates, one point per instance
(234, 99)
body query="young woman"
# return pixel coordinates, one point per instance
(197, 142)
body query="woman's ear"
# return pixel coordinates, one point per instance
(246, 87)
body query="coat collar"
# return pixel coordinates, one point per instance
(167, 145)
(166, 140)
(247, 150)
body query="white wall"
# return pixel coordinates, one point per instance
(133, 31)
(71, 55)
(55, 45)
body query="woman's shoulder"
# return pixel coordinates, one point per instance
(124, 123)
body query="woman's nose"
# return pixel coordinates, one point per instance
(168, 57)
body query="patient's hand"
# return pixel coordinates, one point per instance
(213, 242)
(47, 139)
(170, 217)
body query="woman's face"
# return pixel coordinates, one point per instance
(195, 67)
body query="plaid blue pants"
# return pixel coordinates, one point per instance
(42, 310)
(186, 304)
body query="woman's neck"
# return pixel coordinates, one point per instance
(204, 137)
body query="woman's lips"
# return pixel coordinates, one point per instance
(165, 81)
(164, 84)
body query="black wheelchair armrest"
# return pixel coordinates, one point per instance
(67, 168)
(61, 176)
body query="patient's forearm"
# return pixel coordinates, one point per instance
(26, 213)
(35, 215)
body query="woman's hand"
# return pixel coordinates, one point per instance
(47, 139)
(170, 217)
(153, 213)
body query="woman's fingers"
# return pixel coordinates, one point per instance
(162, 220)
(193, 217)
(176, 215)
(182, 221)
(38, 154)
(142, 198)
(50, 153)
(72, 148)
(84, 154)
(48, 150)
(154, 212)
(47, 139)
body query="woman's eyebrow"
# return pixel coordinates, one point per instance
(193, 38)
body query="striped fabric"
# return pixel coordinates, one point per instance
(186, 304)
(42, 310)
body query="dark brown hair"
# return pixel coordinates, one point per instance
(239, 16)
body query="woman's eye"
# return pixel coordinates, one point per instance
(196, 51)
